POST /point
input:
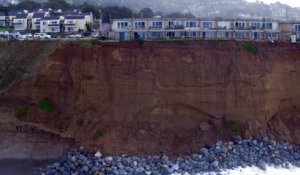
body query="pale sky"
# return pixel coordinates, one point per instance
(294, 3)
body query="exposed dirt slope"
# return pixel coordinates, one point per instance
(148, 97)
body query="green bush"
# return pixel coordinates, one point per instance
(46, 105)
(221, 131)
(64, 126)
(250, 47)
(97, 135)
(235, 127)
(22, 111)
(90, 43)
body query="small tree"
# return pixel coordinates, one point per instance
(88, 27)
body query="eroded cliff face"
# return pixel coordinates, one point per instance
(151, 97)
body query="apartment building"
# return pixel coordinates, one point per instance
(75, 23)
(2, 19)
(289, 29)
(156, 28)
(65, 23)
(22, 22)
(51, 24)
(36, 20)
(47, 21)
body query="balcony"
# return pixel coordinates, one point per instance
(53, 25)
(139, 28)
(70, 24)
(176, 27)
(17, 23)
(155, 27)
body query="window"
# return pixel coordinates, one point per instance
(269, 25)
(139, 25)
(208, 34)
(255, 25)
(207, 25)
(140, 35)
(156, 34)
(53, 29)
(223, 34)
(191, 24)
(271, 35)
(240, 35)
(240, 25)
(255, 35)
(122, 25)
(44, 23)
(70, 22)
(53, 22)
(190, 34)
(157, 25)
(297, 28)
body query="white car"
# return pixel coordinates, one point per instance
(95, 35)
(74, 36)
(27, 36)
(41, 36)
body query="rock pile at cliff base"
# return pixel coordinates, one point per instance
(214, 158)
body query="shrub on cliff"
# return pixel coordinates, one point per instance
(250, 47)
(22, 111)
(90, 43)
(235, 127)
(97, 135)
(64, 126)
(46, 105)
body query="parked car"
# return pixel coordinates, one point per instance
(4, 34)
(95, 35)
(74, 36)
(86, 34)
(15, 35)
(27, 36)
(41, 36)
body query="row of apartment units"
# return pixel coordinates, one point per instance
(156, 28)
(46, 22)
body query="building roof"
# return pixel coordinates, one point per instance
(74, 17)
(14, 13)
(38, 15)
(53, 17)
(21, 16)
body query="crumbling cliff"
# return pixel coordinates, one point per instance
(151, 97)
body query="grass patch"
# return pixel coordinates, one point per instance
(235, 127)
(90, 43)
(97, 135)
(64, 126)
(3, 29)
(250, 47)
(46, 105)
(22, 111)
